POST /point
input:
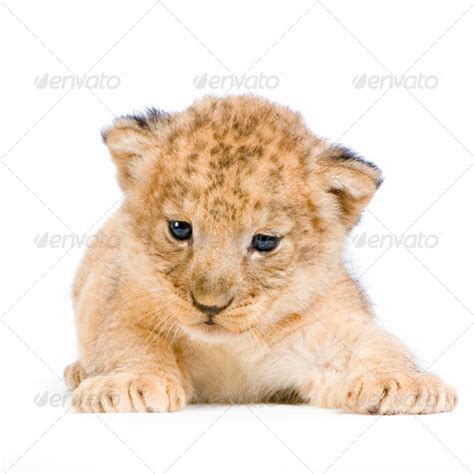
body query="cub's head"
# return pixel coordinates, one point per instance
(235, 212)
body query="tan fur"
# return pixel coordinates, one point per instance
(298, 327)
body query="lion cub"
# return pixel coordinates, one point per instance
(221, 277)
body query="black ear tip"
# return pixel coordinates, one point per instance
(103, 135)
(343, 153)
(380, 180)
(149, 116)
(143, 120)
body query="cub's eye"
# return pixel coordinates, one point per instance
(180, 230)
(264, 243)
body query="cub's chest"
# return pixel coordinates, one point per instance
(259, 373)
(224, 375)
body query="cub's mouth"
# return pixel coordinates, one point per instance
(215, 323)
(210, 321)
(209, 331)
(213, 327)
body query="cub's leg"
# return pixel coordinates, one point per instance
(129, 367)
(376, 375)
(130, 370)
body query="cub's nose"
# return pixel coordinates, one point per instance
(210, 310)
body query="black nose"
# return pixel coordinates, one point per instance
(210, 310)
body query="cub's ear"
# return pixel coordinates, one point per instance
(128, 139)
(351, 180)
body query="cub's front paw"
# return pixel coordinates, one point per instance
(399, 393)
(128, 392)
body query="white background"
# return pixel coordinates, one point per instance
(56, 179)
